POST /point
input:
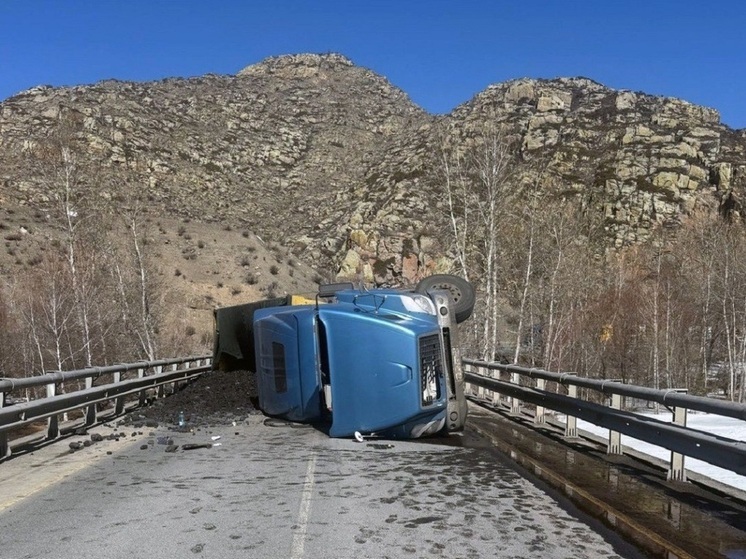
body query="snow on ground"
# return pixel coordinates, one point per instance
(717, 425)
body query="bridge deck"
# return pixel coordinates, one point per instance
(676, 519)
(280, 491)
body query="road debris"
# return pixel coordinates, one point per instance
(216, 398)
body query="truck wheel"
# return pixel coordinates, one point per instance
(461, 291)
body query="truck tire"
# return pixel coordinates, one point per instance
(461, 291)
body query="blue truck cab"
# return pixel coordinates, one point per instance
(379, 361)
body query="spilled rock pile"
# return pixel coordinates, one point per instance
(216, 398)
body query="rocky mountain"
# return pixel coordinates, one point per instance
(337, 165)
(633, 160)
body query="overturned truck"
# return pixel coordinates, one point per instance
(355, 361)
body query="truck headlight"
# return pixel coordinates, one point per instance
(419, 303)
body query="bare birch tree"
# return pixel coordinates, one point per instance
(59, 166)
(476, 181)
(136, 286)
(733, 306)
(456, 188)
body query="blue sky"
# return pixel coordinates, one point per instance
(440, 52)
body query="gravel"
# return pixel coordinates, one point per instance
(215, 398)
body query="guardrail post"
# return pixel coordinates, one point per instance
(615, 437)
(515, 403)
(571, 427)
(119, 402)
(480, 389)
(176, 384)
(540, 415)
(53, 422)
(141, 395)
(676, 470)
(4, 447)
(474, 389)
(90, 411)
(161, 391)
(495, 395)
(467, 385)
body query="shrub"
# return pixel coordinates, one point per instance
(272, 290)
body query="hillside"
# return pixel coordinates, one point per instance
(289, 134)
(304, 166)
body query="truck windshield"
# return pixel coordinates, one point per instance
(323, 353)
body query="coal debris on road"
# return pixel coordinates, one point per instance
(215, 398)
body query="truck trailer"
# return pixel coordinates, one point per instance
(355, 361)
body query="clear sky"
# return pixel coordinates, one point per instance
(441, 52)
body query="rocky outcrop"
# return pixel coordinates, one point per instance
(333, 161)
(633, 159)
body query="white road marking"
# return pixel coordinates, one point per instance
(299, 538)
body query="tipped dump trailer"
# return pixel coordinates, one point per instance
(355, 360)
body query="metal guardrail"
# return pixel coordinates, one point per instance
(720, 451)
(147, 375)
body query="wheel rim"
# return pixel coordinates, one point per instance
(452, 289)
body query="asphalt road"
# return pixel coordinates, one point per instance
(277, 491)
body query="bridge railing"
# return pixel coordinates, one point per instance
(513, 385)
(121, 382)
